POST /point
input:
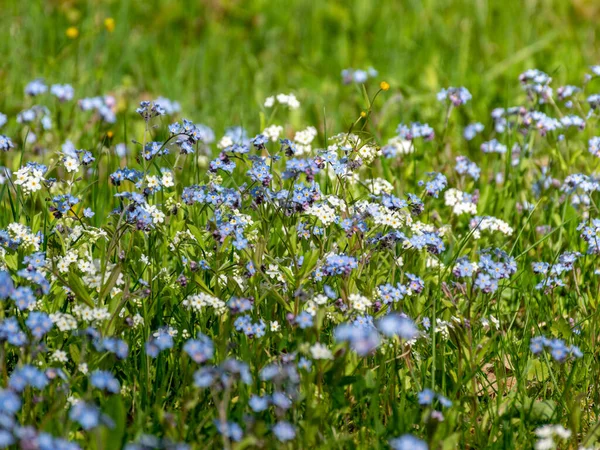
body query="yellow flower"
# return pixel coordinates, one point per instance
(363, 114)
(384, 85)
(110, 134)
(109, 24)
(72, 32)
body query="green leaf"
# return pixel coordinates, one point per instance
(110, 283)
(116, 410)
(79, 289)
(75, 353)
(537, 371)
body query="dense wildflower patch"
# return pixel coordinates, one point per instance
(284, 286)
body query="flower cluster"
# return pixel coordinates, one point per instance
(277, 285)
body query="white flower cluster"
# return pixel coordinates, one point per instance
(64, 322)
(359, 302)
(92, 233)
(459, 202)
(138, 321)
(156, 182)
(320, 299)
(378, 186)
(241, 219)
(546, 435)
(334, 201)
(289, 100)
(273, 132)
(303, 140)
(167, 179)
(87, 314)
(401, 146)
(23, 235)
(157, 215)
(198, 302)
(368, 153)
(70, 258)
(320, 351)
(420, 228)
(274, 273)
(95, 280)
(492, 321)
(30, 178)
(59, 356)
(181, 237)
(480, 224)
(313, 304)
(226, 141)
(443, 327)
(433, 263)
(387, 217)
(323, 212)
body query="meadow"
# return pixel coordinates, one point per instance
(297, 225)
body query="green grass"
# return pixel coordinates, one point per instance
(222, 58)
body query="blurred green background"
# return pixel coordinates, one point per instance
(221, 58)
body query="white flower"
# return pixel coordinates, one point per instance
(368, 153)
(59, 356)
(321, 300)
(545, 444)
(562, 432)
(274, 272)
(33, 185)
(87, 314)
(319, 351)
(303, 140)
(152, 181)
(64, 322)
(198, 302)
(284, 99)
(378, 186)
(29, 178)
(23, 234)
(158, 216)
(306, 136)
(359, 302)
(225, 142)
(495, 321)
(269, 102)
(275, 327)
(460, 203)
(138, 321)
(323, 212)
(273, 132)
(167, 179)
(401, 146)
(71, 164)
(311, 308)
(479, 224)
